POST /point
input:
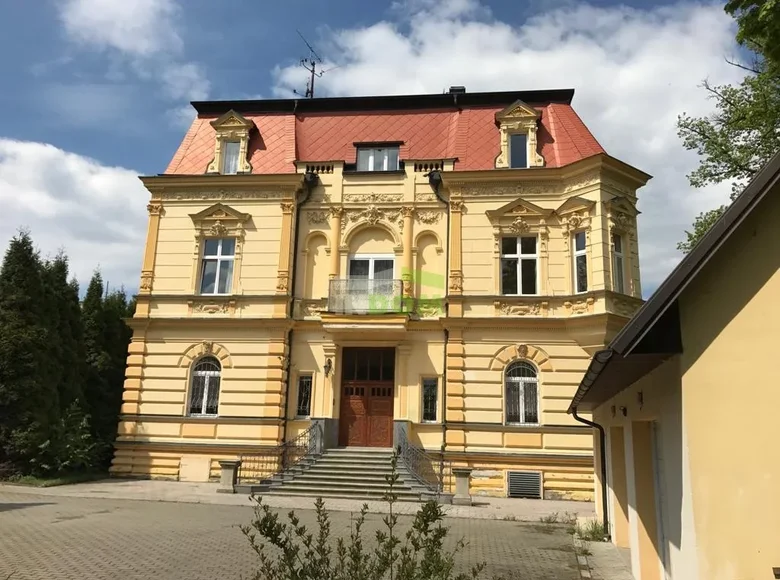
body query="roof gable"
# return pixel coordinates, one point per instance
(517, 110)
(518, 207)
(231, 120)
(573, 204)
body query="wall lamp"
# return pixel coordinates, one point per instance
(328, 367)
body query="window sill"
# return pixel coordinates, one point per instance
(302, 418)
(430, 423)
(202, 416)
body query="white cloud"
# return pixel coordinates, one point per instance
(95, 213)
(143, 33)
(633, 70)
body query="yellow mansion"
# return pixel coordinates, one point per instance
(426, 272)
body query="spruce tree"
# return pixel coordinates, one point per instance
(28, 398)
(98, 361)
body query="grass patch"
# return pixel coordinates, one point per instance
(591, 531)
(64, 479)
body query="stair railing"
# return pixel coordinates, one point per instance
(427, 468)
(270, 461)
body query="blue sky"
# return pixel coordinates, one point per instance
(97, 91)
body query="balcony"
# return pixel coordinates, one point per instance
(365, 296)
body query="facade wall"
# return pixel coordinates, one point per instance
(457, 326)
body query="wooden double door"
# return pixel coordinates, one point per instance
(367, 385)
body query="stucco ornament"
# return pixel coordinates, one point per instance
(231, 126)
(518, 118)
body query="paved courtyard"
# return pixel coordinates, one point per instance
(48, 536)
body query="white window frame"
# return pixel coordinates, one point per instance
(310, 376)
(576, 253)
(519, 257)
(371, 258)
(422, 400)
(224, 167)
(220, 259)
(618, 257)
(209, 377)
(521, 394)
(527, 155)
(372, 159)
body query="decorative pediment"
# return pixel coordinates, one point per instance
(232, 120)
(517, 208)
(219, 220)
(517, 111)
(622, 214)
(575, 204)
(518, 118)
(231, 127)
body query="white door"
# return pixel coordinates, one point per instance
(370, 286)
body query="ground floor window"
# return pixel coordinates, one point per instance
(204, 390)
(430, 400)
(303, 408)
(521, 393)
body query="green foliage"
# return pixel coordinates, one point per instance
(743, 133)
(591, 531)
(759, 26)
(70, 448)
(289, 551)
(701, 225)
(59, 365)
(28, 397)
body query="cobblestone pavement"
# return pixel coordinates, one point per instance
(50, 537)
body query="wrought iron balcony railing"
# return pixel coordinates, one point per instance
(365, 296)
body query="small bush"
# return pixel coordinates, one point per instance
(591, 530)
(70, 448)
(556, 518)
(303, 555)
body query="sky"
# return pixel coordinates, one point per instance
(97, 92)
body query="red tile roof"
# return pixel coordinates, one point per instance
(469, 134)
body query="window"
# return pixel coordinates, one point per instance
(377, 159)
(217, 268)
(303, 409)
(518, 151)
(521, 393)
(230, 157)
(619, 284)
(519, 260)
(204, 392)
(430, 399)
(580, 263)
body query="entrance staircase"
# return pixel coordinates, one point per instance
(348, 473)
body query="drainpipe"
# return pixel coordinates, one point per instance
(434, 178)
(309, 183)
(603, 451)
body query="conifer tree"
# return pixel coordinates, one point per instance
(28, 398)
(98, 361)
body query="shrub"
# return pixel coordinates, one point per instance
(70, 448)
(302, 555)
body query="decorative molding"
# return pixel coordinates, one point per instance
(147, 279)
(222, 195)
(312, 308)
(282, 281)
(336, 211)
(424, 196)
(584, 306)
(582, 181)
(154, 208)
(456, 281)
(371, 215)
(212, 306)
(407, 211)
(428, 217)
(287, 206)
(431, 309)
(220, 220)
(208, 347)
(317, 217)
(520, 309)
(373, 198)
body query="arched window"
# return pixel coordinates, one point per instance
(521, 394)
(204, 390)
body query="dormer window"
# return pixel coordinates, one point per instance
(381, 158)
(230, 157)
(517, 125)
(518, 151)
(231, 144)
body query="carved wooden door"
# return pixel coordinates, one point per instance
(380, 420)
(353, 422)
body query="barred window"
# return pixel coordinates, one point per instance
(521, 394)
(430, 399)
(303, 408)
(204, 392)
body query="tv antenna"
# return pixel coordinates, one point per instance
(310, 64)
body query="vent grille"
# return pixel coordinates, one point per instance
(526, 484)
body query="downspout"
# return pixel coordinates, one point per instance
(434, 178)
(603, 451)
(309, 182)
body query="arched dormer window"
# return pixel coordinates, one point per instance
(204, 387)
(521, 394)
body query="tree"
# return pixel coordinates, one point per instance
(29, 407)
(736, 141)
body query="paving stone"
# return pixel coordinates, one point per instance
(52, 537)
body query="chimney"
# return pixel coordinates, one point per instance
(457, 90)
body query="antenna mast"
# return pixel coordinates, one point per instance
(310, 64)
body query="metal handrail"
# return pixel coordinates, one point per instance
(427, 468)
(270, 461)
